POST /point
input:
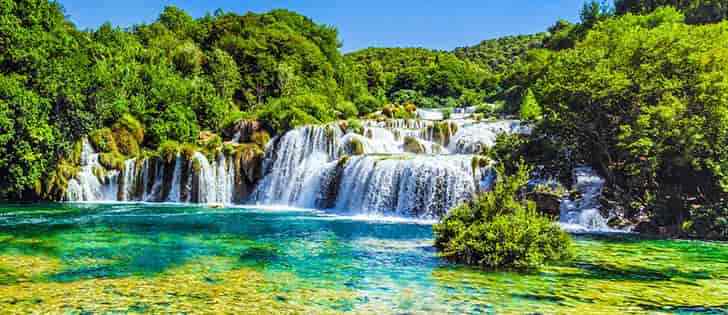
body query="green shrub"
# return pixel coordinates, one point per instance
(168, 150)
(367, 104)
(132, 125)
(708, 222)
(412, 145)
(289, 112)
(508, 149)
(446, 113)
(498, 230)
(530, 109)
(103, 140)
(355, 125)
(112, 160)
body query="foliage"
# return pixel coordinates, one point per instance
(498, 55)
(497, 230)
(708, 222)
(153, 83)
(696, 11)
(530, 109)
(426, 78)
(644, 99)
(289, 112)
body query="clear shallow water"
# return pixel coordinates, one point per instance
(130, 258)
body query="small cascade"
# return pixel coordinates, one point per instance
(174, 187)
(129, 182)
(154, 180)
(93, 182)
(583, 214)
(422, 187)
(472, 138)
(295, 158)
(215, 181)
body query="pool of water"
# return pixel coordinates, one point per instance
(136, 258)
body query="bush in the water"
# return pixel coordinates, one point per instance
(500, 230)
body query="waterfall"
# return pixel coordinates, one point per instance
(216, 180)
(128, 186)
(295, 158)
(423, 187)
(394, 168)
(582, 214)
(398, 167)
(174, 189)
(88, 184)
(472, 138)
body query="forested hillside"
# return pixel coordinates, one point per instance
(424, 77)
(643, 98)
(165, 81)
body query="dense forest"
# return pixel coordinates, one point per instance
(637, 89)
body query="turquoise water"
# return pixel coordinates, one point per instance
(129, 258)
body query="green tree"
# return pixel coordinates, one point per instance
(530, 109)
(498, 230)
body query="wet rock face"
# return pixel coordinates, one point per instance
(412, 145)
(246, 131)
(546, 203)
(248, 171)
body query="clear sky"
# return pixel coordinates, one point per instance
(374, 23)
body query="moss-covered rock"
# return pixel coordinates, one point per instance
(248, 163)
(443, 131)
(127, 143)
(112, 160)
(547, 203)
(168, 151)
(55, 185)
(188, 150)
(354, 147)
(260, 138)
(412, 145)
(480, 161)
(103, 140)
(132, 125)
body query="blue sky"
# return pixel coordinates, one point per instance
(361, 24)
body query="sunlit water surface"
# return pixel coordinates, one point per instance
(137, 258)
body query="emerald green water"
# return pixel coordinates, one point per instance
(133, 258)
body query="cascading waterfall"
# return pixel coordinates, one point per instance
(583, 214)
(375, 173)
(412, 168)
(472, 138)
(153, 180)
(297, 156)
(422, 187)
(88, 185)
(128, 186)
(216, 180)
(174, 190)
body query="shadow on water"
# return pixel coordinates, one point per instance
(610, 272)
